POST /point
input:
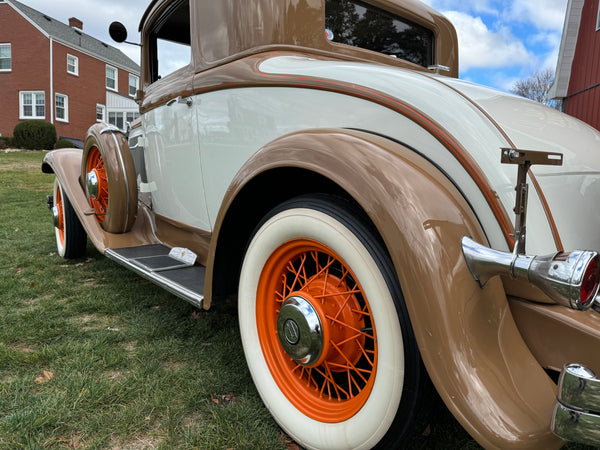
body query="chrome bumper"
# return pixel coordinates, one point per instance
(576, 415)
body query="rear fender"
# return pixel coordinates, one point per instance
(467, 337)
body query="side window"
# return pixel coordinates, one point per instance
(598, 18)
(170, 41)
(355, 23)
(72, 64)
(5, 58)
(111, 78)
(61, 103)
(133, 85)
(100, 113)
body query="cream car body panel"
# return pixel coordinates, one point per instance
(173, 166)
(252, 117)
(458, 115)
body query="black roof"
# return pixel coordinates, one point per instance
(76, 38)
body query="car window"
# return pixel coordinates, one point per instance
(359, 24)
(170, 41)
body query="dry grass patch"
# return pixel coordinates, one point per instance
(142, 442)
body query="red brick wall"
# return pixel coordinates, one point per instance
(30, 65)
(583, 97)
(84, 90)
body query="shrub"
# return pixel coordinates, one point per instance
(35, 135)
(64, 143)
(6, 142)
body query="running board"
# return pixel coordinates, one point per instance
(154, 263)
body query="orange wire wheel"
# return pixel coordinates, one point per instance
(97, 183)
(325, 356)
(59, 217)
(325, 329)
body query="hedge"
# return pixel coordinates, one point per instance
(34, 135)
(64, 143)
(6, 142)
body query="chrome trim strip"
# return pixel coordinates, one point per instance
(112, 128)
(176, 289)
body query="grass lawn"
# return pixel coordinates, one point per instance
(92, 356)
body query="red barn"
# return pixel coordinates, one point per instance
(577, 80)
(55, 72)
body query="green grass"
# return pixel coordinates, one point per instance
(131, 365)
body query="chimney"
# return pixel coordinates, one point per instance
(74, 22)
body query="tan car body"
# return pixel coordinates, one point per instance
(484, 351)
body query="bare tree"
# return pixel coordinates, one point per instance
(536, 86)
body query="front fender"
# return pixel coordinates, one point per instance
(66, 165)
(467, 337)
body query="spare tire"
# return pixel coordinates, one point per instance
(108, 175)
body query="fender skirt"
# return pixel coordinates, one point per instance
(471, 347)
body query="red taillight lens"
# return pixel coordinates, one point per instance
(589, 284)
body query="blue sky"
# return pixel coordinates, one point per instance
(500, 41)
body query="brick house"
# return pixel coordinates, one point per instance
(577, 80)
(55, 72)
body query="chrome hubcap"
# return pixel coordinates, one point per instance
(55, 216)
(91, 184)
(300, 331)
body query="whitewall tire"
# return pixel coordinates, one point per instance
(339, 383)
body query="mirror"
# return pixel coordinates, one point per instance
(117, 32)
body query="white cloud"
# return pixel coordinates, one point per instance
(480, 47)
(473, 6)
(544, 14)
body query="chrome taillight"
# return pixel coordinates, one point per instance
(571, 279)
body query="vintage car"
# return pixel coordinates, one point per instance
(321, 159)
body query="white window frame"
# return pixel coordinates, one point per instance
(34, 105)
(598, 18)
(76, 64)
(116, 88)
(9, 46)
(66, 107)
(103, 108)
(136, 85)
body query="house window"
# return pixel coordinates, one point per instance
(116, 119)
(100, 113)
(133, 85)
(72, 64)
(121, 118)
(5, 58)
(598, 18)
(61, 102)
(32, 105)
(111, 78)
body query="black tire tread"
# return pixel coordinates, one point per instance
(75, 235)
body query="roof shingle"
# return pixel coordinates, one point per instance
(77, 38)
